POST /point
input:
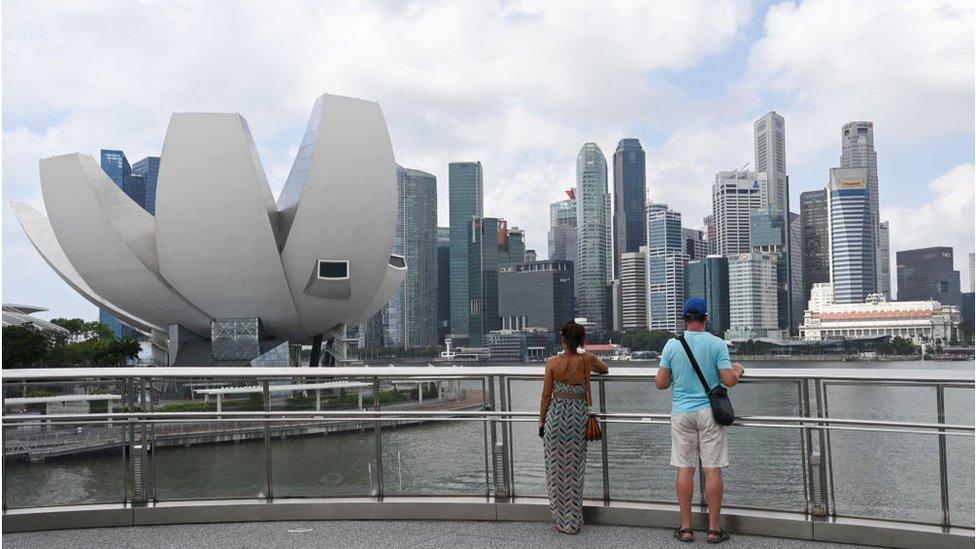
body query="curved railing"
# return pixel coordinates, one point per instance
(493, 409)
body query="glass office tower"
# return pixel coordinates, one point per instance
(465, 182)
(629, 181)
(593, 269)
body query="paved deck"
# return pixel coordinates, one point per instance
(378, 535)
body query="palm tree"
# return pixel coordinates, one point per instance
(125, 349)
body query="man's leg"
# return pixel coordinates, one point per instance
(713, 495)
(686, 489)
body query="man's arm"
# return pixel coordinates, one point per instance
(731, 376)
(663, 378)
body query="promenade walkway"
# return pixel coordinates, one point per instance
(380, 535)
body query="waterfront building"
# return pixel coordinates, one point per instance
(536, 294)
(708, 230)
(412, 312)
(594, 260)
(489, 248)
(927, 273)
(633, 290)
(857, 151)
(530, 256)
(665, 269)
(734, 194)
(752, 297)
(466, 195)
(148, 169)
(852, 235)
(516, 246)
(769, 133)
(443, 283)
(629, 182)
(694, 244)
(708, 278)
(967, 306)
(506, 346)
(767, 235)
(925, 321)
(563, 234)
(814, 240)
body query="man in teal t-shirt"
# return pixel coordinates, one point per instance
(694, 433)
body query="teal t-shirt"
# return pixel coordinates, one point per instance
(687, 393)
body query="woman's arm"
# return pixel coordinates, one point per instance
(598, 366)
(546, 394)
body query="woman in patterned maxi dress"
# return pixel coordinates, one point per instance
(562, 426)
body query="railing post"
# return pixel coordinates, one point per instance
(267, 440)
(604, 462)
(504, 398)
(943, 456)
(378, 439)
(484, 425)
(817, 473)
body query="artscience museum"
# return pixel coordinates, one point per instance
(223, 273)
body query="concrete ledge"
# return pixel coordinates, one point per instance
(741, 521)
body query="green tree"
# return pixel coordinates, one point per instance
(124, 349)
(966, 332)
(24, 346)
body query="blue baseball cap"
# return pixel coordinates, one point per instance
(695, 306)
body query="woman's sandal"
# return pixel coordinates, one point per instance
(721, 535)
(679, 534)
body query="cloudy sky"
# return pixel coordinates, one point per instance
(518, 85)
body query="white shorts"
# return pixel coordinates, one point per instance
(695, 435)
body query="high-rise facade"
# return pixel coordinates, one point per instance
(927, 273)
(665, 269)
(708, 228)
(412, 312)
(857, 151)
(694, 244)
(972, 271)
(814, 240)
(443, 283)
(884, 259)
(734, 194)
(853, 235)
(535, 294)
(768, 235)
(633, 290)
(466, 194)
(753, 311)
(769, 133)
(563, 241)
(487, 250)
(708, 278)
(148, 169)
(593, 267)
(629, 181)
(516, 246)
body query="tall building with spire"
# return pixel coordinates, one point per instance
(594, 260)
(466, 196)
(629, 181)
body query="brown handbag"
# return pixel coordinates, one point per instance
(593, 431)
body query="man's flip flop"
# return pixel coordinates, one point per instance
(722, 536)
(679, 533)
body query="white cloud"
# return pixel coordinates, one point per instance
(946, 219)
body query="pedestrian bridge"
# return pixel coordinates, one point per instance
(895, 470)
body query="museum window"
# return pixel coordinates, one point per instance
(333, 269)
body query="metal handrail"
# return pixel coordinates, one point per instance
(813, 423)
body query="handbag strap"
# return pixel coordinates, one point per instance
(694, 363)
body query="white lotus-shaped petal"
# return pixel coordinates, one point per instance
(219, 246)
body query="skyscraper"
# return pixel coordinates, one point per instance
(752, 296)
(884, 259)
(665, 269)
(853, 235)
(488, 248)
(563, 241)
(927, 273)
(857, 151)
(972, 271)
(768, 235)
(708, 228)
(633, 290)
(734, 194)
(708, 278)
(770, 148)
(593, 268)
(412, 316)
(443, 283)
(516, 247)
(535, 294)
(629, 180)
(694, 244)
(465, 182)
(148, 169)
(815, 243)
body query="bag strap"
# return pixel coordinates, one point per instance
(694, 363)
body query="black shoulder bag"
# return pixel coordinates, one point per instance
(718, 397)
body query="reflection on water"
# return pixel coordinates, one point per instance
(875, 474)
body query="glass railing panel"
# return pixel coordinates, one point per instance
(434, 457)
(879, 474)
(639, 453)
(959, 452)
(62, 465)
